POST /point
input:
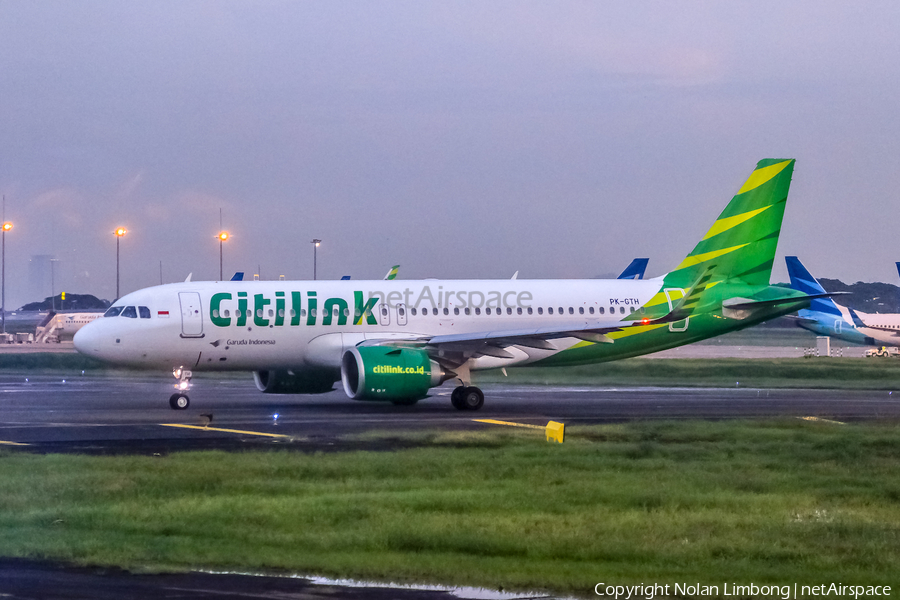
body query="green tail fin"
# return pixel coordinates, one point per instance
(742, 242)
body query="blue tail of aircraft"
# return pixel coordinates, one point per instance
(803, 281)
(636, 269)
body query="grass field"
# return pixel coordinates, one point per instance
(766, 502)
(824, 373)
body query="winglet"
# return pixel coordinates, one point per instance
(238, 276)
(392, 273)
(188, 278)
(515, 275)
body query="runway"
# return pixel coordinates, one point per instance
(109, 414)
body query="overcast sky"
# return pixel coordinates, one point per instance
(459, 139)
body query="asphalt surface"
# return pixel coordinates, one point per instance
(130, 415)
(101, 414)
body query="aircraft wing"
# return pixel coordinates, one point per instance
(455, 349)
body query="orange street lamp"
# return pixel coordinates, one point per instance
(6, 227)
(119, 232)
(223, 237)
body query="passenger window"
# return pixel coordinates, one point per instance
(487, 311)
(144, 312)
(468, 311)
(477, 311)
(259, 313)
(302, 312)
(519, 310)
(601, 310)
(540, 310)
(591, 310)
(631, 308)
(580, 310)
(271, 313)
(560, 310)
(509, 310)
(412, 311)
(550, 310)
(529, 310)
(622, 310)
(383, 311)
(227, 314)
(113, 311)
(401, 312)
(455, 311)
(446, 311)
(129, 312)
(281, 312)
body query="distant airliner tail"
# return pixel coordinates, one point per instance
(636, 269)
(803, 281)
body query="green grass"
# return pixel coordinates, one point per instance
(764, 502)
(52, 361)
(824, 373)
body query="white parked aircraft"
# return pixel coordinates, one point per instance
(394, 340)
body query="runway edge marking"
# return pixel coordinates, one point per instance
(5, 443)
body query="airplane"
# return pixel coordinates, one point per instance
(826, 317)
(62, 326)
(635, 270)
(395, 340)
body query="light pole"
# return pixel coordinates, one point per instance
(223, 237)
(315, 244)
(53, 262)
(119, 232)
(6, 227)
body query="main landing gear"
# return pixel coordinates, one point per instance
(179, 400)
(467, 398)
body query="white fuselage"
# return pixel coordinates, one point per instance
(229, 325)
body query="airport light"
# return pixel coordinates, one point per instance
(6, 227)
(119, 233)
(315, 244)
(53, 262)
(223, 237)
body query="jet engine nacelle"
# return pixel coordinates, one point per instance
(400, 375)
(295, 382)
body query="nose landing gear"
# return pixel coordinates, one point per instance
(179, 400)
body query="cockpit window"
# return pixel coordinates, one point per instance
(129, 312)
(144, 312)
(113, 311)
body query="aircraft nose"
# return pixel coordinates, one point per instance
(86, 340)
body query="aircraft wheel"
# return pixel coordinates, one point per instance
(472, 398)
(456, 398)
(179, 401)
